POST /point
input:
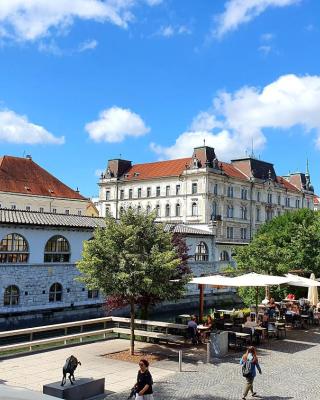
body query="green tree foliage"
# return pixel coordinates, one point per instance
(131, 259)
(286, 243)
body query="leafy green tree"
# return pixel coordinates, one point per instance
(133, 258)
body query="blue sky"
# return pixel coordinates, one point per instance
(150, 79)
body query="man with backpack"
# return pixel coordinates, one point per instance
(249, 362)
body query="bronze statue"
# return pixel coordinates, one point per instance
(69, 367)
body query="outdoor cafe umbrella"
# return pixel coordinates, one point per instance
(313, 292)
(295, 280)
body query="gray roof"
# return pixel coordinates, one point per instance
(21, 217)
(186, 230)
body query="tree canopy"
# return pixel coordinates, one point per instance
(135, 260)
(288, 242)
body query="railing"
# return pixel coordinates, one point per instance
(48, 335)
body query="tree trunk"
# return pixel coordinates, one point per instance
(132, 315)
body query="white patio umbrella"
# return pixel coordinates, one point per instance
(258, 280)
(313, 292)
(213, 280)
(296, 280)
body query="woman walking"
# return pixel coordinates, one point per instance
(144, 382)
(250, 363)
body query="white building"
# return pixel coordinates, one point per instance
(24, 185)
(233, 199)
(38, 255)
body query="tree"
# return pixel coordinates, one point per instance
(133, 258)
(288, 242)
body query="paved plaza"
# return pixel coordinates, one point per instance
(290, 370)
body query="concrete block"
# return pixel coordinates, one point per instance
(82, 389)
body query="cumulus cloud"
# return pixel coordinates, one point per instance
(235, 120)
(238, 12)
(169, 31)
(33, 19)
(115, 124)
(15, 128)
(87, 45)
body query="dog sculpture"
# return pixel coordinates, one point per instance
(69, 367)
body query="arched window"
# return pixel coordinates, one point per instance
(167, 210)
(57, 250)
(224, 256)
(230, 211)
(194, 209)
(178, 209)
(148, 209)
(139, 209)
(11, 296)
(121, 211)
(201, 253)
(55, 292)
(14, 249)
(158, 210)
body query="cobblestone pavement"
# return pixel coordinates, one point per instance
(290, 370)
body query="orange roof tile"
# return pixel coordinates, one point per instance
(287, 184)
(22, 175)
(159, 169)
(233, 172)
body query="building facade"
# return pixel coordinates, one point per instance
(24, 185)
(38, 274)
(200, 191)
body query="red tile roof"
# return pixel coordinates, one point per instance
(22, 175)
(158, 169)
(233, 172)
(287, 184)
(316, 200)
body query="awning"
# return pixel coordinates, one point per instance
(295, 280)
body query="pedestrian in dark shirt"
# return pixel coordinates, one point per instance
(144, 382)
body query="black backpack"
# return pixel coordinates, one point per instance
(246, 369)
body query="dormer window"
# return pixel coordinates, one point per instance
(27, 188)
(136, 174)
(195, 163)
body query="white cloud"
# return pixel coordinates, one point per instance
(15, 128)
(235, 120)
(28, 20)
(169, 31)
(265, 49)
(115, 124)
(238, 12)
(267, 37)
(87, 45)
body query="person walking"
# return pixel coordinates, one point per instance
(144, 382)
(250, 363)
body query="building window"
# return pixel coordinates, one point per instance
(148, 209)
(167, 191)
(214, 210)
(54, 210)
(139, 209)
(57, 250)
(130, 193)
(201, 253)
(269, 215)
(139, 193)
(244, 194)
(279, 200)
(148, 191)
(178, 209)
(194, 209)
(178, 189)
(14, 249)
(121, 211)
(229, 211)
(258, 196)
(158, 210)
(158, 191)
(224, 256)
(28, 208)
(194, 188)
(79, 212)
(279, 213)
(121, 194)
(229, 232)
(93, 294)
(55, 292)
(244, 213)
(270, 198)
(287, 201)
(230, 191)
(258, 214)
(167, 210)
(107, 195)
(297, 203)
(67, 212)
(215, 189)
(243, 233)
(11, 296)
(42, 210)
(13, 206)
(107, 210)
